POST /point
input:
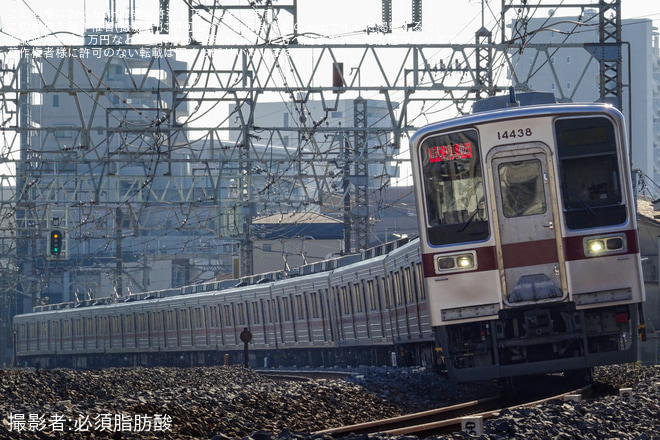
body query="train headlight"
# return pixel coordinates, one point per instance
(596, 246)
(458, 262)
(465, 261)
(604, 245)
(445, 263)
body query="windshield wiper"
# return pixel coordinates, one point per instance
(476, 211)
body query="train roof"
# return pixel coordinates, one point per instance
(516, 112)
(228, 286)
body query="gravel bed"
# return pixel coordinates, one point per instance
(222, 403)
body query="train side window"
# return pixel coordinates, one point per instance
(313, 296)
(209, 316)
(269, 311)
(346, 301)
(454, 188)
(300, 308)
(521, 187)
(357, 291)
(387, 290)
(419, 277)
(372, 296)
(285, 309)
(241, 313)
(408, 288)
(129, 324)
(255, 313)
(142, 322)
(589, 172)
(398, 287)
(156, 320)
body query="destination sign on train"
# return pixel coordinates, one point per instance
(450, 152)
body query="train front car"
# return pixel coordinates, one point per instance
(529, 240)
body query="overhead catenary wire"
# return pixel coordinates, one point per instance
(259, 40)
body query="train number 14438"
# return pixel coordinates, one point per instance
(515, 133)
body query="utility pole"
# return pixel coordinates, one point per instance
(119, 262)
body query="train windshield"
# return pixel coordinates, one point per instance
(589, 173)
(454, 188)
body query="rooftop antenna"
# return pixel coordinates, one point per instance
(512, 98)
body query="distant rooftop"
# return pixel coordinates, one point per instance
(298, 224)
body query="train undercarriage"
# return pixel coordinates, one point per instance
(410, 354)
(535, 340)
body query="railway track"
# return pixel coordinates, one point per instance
(444, 420)
(302, 376)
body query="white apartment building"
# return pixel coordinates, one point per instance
(572, 74)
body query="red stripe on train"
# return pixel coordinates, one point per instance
(528, 253)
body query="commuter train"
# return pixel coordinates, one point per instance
(365, 309)
(527, 262)
(527, 225)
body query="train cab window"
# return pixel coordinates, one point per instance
(589, 173)
(454, 188)
(521, 188)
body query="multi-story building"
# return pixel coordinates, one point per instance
(104, 168)
(573, 75)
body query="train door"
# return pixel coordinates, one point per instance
(529, 252)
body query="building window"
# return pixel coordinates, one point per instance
(56, 100)
(568, 60)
